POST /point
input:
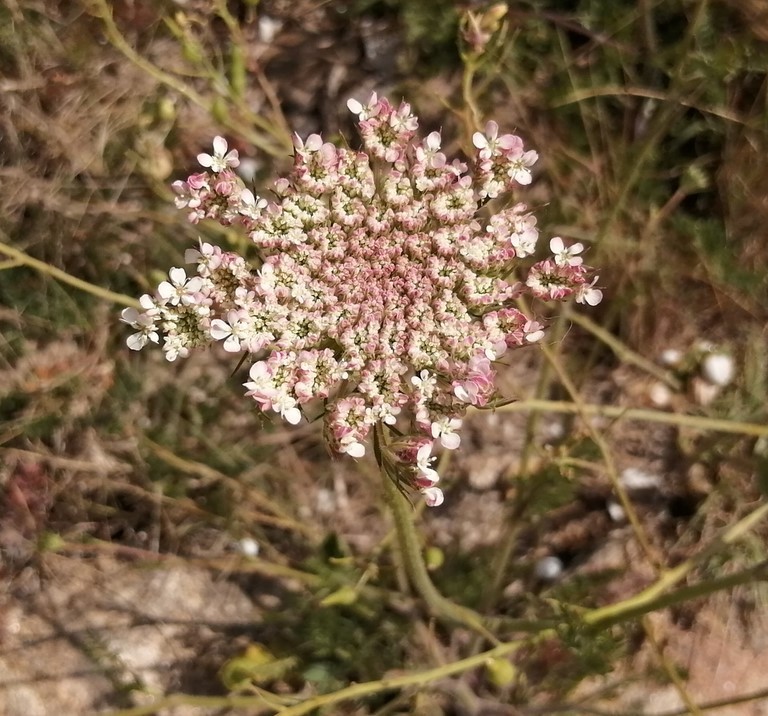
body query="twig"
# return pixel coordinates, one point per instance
(622, 352)
(655, 596)
(102, 10)
(610, 465)
(64, 277)
(642, 414)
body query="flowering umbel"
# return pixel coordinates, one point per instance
(382, 288)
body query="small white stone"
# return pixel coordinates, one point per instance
(268, 28)
(660, 395)
(325, 501)
(634, 478)
(553, 431)
(718, 369)
(548, 568)
(671, 357)
(615, 511)
(248, 547)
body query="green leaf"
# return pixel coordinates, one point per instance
(501, 672)
(256, 666)
(344, 596)
(434, 557)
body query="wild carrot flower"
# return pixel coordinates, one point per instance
(382, 287)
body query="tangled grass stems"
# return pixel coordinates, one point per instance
(651, 553)
(267, 137)
(653, 598)
(622, 351)
(514, 523)
(607, 455)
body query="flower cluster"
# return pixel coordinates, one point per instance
(383, 287)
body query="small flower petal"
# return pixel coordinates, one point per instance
(433, 496)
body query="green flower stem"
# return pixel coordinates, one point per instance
(669, 667)
(64, 277)
(514, 521)
(416, 569)
(419, 678)
(356, 691)
(601, 618)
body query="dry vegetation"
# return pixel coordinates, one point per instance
(132, 493)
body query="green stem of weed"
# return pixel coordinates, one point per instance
(607, 455)
(467, 80)
(669, 667)
(656, 596)
(356, 691)
(514, 522)
(413, 560)
(64, 277)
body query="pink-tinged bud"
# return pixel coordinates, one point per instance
(197, 181)
(477, 388)
(224, 186)
(433, 496)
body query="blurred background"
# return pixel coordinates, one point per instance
(158, 536)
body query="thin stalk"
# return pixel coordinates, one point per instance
(356, 691)
(721, 703)
(580, 95)
(416, 568)
(514, 523)
(696, 422)
(235, 563)
(621, 351)
(413, 559)
(656, 595)
(269, 139)
(669, 668)
(651, 599)
(64, 277)
(658, 126)
(467, 79)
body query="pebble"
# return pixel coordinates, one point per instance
(248, 547)
(615, 511)
(718, 369)
(671, 357)
(634, 478)
(548, 568)
(660, 395)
